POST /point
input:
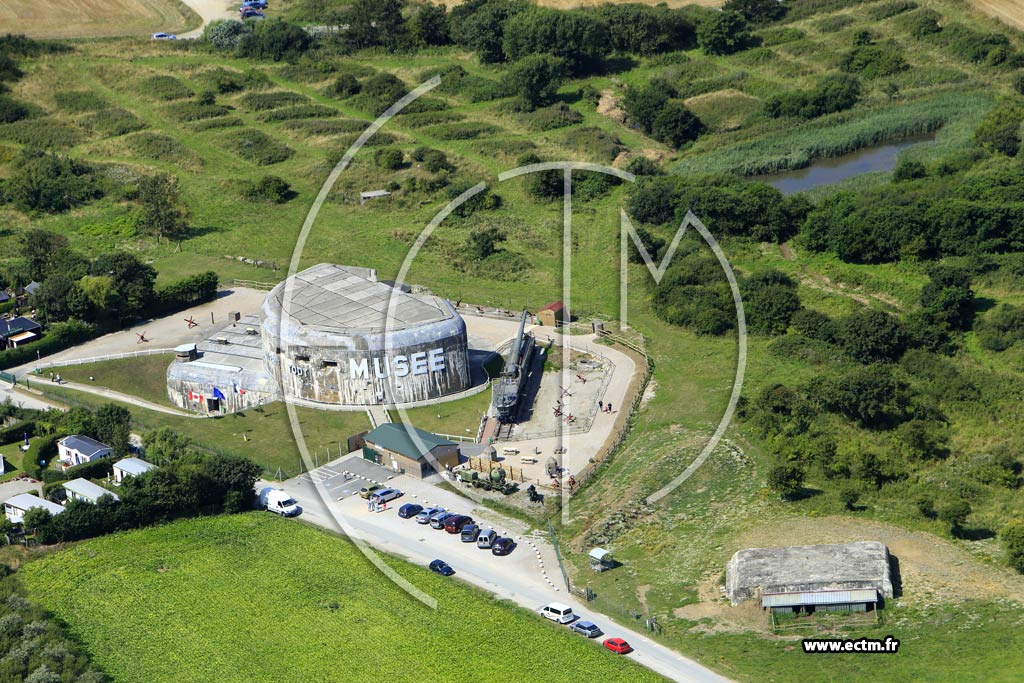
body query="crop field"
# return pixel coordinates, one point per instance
(94, 18)
(1011, 12)
(217, 590)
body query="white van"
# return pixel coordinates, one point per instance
(558, 612)
(277, 501)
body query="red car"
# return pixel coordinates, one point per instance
(617, 645)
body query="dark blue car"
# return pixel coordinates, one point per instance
(441, 567)
(409, 510)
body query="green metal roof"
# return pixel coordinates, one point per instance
(400, 439)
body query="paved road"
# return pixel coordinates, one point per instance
(529, 576)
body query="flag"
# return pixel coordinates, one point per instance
(237, 389)
(217, 393)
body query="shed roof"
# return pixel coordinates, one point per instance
(17, 326)
(27, 501)
(32, 287)
(819, 598)
(600, 554)
(554, 306)
(399, 438)
(87, 489)
(85, 445)
(133, 466)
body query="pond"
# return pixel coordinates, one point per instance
(828, 171)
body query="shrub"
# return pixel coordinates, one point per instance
(909, 170)
(779, 36)
(195, 111)
(786, 479)
(389, 158)
(344, 86)
(676, 125)
(157, 146)
(380, 92)
(770, 300)
(870, 336)
(221, 80)
(301, 111)
(58, 337)
(578, 38)
(275, 39)
(257, 147)
(187, 292)
(724, 33)
(641, 166)
(269, 188)
(595, 143)
(435, 161)
(1012, 537)
(815, 325)
(534, 79)
(921, 23)
(873, 61)
(115, 122)
(558, 115)
(757, 11)
(77, 101)
(165, 88)
(834, 23)
(891, 9)
(325, 127)
(644, 103)
(1000, 129)
(429, 118)
(271, 100)
(11, 110)
(50, 183)
(849, 497)
(226, 35)
(642, 30)
(461, 131)
(955, 514)
(220, 122)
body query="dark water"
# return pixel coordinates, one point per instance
(829, 171)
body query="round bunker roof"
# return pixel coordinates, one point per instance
(351, 299)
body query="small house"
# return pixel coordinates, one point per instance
(554, 314)
(410, 450)
(16, 507)
(78, 450)
(130, 467)
(83, 489)
(20, 330)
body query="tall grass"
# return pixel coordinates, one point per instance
(833, 136)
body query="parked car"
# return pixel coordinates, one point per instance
(469, 533)
(486, 538)
(617, 645)
(386, 495)
(424, 516)
(441, 567)
(258, 4)
(365, 492)
(278, 502)
(556, 611)
(252, 13)
(587, 628)
(438, 521)
(409, 510)
(164, 36)
(502, 546)
(453, 525)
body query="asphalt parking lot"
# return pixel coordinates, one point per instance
(344, 477)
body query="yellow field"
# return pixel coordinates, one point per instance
(1008, 11)
(94, 18)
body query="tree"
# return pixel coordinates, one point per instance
(758, 11)
(579, 38)
(226, 34)
(643, 30)
(724, 33)
(999, 131)
(161, 212)
(849, 498)
(275, 39)
(815, 325)
(113, 427)
(643, 104)
(133, 279)
(870, 336)
(429, 25)
(59, 298)
(535, 80)
(786, 479)
(389, 158)
(482, 29)
(948, 298)
(39, 521)
(1012, 536)
(955, 514)
(770, 301)
(676, 125)
(38, 247)
(164, 445)
(374, 23)
(484, 242)
(230, 473)
(870, 395)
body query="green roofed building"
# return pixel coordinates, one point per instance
(410, 450)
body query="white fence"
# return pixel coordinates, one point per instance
(43, 365)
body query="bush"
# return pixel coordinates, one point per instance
(871, 336)
(534, 79)
(676, 125)
(770, 300)
(77, 101)
(757, 11)
(115, 122)
(835, 92)
(325, 127)
(461, 131)
(891, 9)
(187, 292)
(276, 40)
(909, 170)
(269, 188)
(257, 147)
(642, 30)
(999, 131)
(921, 23)
(226, 35)
(786, 479)
(389, 158)
(50, 183)
(873, 61)
(642, 166)
(558, 115)
(724, 33)
(301, 111)
(217, 123)
(195, 111)
(157, 146)
(595, 143)
(260, 101)
(429, 118)
(580, 39)
(344, 86)
(11, 110)
(165, 88)
(1012, 537)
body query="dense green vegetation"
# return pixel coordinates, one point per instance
(326, 605)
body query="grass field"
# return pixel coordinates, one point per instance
(145, 376)
(218, 590)
(94, 18)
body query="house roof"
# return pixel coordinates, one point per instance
(4, 296)
(133, 466)
(32, 287)
(17, 326)
(87, 489)
(819, 598)
(27, 501)
(399, 438)
(84, 444)
(554, 306)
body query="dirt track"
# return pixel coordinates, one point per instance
(1010, 12)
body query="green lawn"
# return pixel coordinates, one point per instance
(457, 418)
(144, 376)
(256, 598)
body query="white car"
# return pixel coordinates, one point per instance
(557, 612)
(164, 36)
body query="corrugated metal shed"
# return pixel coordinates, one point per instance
(819, 598)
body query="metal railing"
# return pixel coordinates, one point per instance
(255, 284)
(98, 359)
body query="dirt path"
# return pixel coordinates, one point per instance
(210, 10)
(1011, 12)
(811, 278)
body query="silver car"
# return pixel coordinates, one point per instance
(438, 520)
(425, 515)
(486, 538)
(385, 495)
